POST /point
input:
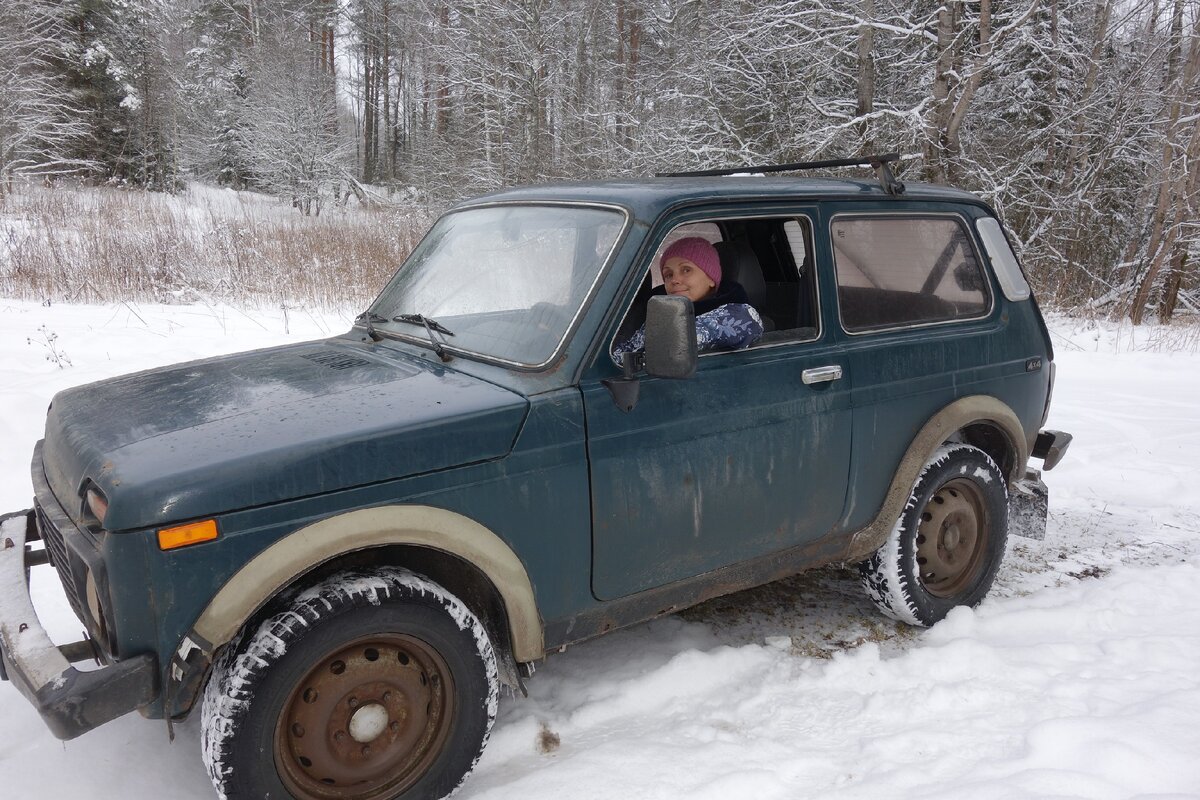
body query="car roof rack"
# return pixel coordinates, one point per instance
(887, 179)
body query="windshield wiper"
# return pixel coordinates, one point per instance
(431, 325)
(366, 319)
(428, 322)
(369, 317)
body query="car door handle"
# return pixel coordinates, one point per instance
(821, 374)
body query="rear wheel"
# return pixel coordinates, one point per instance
(371, 685)
(946, 547)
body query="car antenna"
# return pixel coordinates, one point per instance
(880, 163)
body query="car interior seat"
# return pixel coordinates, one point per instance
(739, 263)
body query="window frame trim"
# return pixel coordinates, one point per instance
(811, 250)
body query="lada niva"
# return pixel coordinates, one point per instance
(338, 552)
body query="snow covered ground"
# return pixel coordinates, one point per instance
(1078, 677)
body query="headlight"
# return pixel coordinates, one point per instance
(97, 504)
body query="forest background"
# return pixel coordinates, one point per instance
(1078, 120)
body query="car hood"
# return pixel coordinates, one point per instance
(197, 439)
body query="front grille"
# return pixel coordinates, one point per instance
(60, 558)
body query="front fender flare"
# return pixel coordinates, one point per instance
(261, 578)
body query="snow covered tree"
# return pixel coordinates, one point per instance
(1075, 118)
(215, 86)
(39, 125)
(296, 147)
(116, 60)
(1166, 246)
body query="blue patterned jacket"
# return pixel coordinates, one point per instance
(725, 321)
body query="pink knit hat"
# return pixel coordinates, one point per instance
(699, 252)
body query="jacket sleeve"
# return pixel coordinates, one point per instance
(634, 344)
(732, 326)
(728, 327)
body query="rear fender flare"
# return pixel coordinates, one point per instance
(972, 410)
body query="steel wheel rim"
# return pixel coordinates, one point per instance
(952, 538)
(366, 721)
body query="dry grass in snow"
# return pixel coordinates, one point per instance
(207, 244)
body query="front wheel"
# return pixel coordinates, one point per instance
(946, 547)
(372, 685)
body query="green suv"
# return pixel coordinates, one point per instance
(337, 552)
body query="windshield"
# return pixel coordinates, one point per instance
(506, 281)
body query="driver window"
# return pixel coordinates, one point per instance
(763, 263)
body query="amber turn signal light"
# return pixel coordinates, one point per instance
(183, 535)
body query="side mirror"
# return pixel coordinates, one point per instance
(670, 337)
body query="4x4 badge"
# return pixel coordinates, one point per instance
(1033, 364)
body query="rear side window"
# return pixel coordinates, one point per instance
(899, 271)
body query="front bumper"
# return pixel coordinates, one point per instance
(70, 702)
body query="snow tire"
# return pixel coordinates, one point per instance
(372, 685)
(946, 547)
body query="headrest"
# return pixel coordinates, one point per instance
(739, 263)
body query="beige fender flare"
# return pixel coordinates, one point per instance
(965, 411)
(261, 578)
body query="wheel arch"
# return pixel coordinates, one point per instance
(464, 556)
(979, 420)
(329, 642)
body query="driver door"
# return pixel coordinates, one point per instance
(742, 460)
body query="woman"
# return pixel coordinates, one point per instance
(725, 320)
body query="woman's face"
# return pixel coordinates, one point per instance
(683, 277)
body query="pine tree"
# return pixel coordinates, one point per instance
(40, 132)
(115, 62)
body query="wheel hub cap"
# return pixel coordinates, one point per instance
(366, 721)
(952, 538)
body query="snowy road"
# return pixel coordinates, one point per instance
(1078, 677)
